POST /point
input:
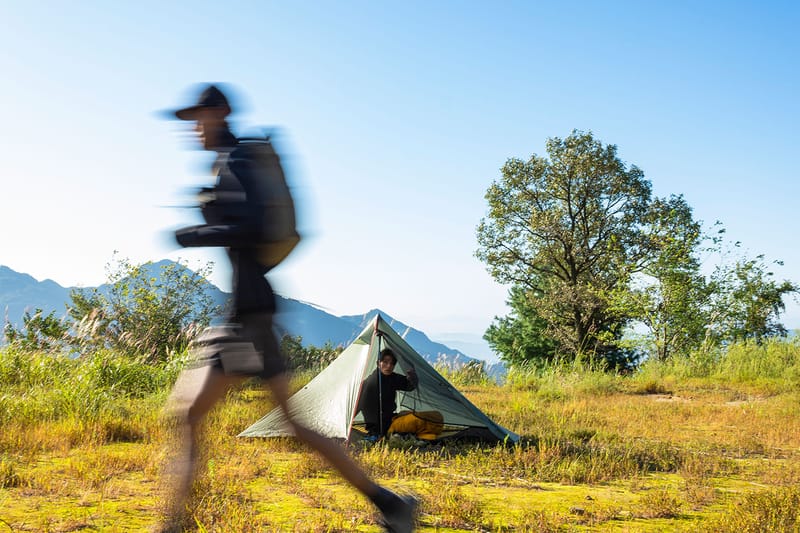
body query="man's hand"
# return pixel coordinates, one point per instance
(411, 376)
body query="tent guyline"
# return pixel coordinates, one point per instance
(329, 403)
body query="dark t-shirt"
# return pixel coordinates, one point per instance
(371, 400)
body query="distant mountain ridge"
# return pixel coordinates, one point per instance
(20, 292)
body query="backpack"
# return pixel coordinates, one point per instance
(266, 209)
(277, 217)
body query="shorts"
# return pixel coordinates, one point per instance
(248, 348)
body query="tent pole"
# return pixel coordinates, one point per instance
(375, 333)
(380, 385)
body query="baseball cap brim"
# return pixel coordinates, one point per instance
(210, 98)
(187, 113)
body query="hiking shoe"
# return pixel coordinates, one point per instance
(401, 515)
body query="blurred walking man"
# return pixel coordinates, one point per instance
(250, 212)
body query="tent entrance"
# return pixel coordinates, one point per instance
(328, 404)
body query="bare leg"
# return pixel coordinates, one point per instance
(196, 392)
(398, 513)
(329, 449)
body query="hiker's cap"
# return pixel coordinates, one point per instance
(210, 97)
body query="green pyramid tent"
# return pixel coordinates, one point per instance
(327, 404)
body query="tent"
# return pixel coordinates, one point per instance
(328, 403)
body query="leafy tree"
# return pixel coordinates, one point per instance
(566, 231)
(38, 332)
(670, 297)
(747, 301)
(141, 313)
(520, 337)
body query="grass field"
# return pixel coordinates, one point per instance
(710, 442)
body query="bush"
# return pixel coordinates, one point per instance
(143, 313)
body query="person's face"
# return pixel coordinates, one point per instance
(387, 365)
(208, 125)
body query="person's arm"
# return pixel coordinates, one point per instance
(411, 381)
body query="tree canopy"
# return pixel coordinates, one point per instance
(588, 251)
(567, 231)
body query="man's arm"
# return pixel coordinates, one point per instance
(411, 380)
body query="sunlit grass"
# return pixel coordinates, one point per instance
(710, 442)
(764, 510)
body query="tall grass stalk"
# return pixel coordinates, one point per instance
(771, 367)
(52, 401)
(564, 378)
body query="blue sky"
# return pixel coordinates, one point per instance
(394, 118)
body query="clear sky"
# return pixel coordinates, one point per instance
(394, 118)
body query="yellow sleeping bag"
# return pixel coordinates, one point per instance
(426, 425)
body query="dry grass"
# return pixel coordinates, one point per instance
(642, 453)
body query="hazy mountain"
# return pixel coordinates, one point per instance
(20, 293)
(470, 343)
(432, 351)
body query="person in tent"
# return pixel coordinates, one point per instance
(249, 212)
(378, 401)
